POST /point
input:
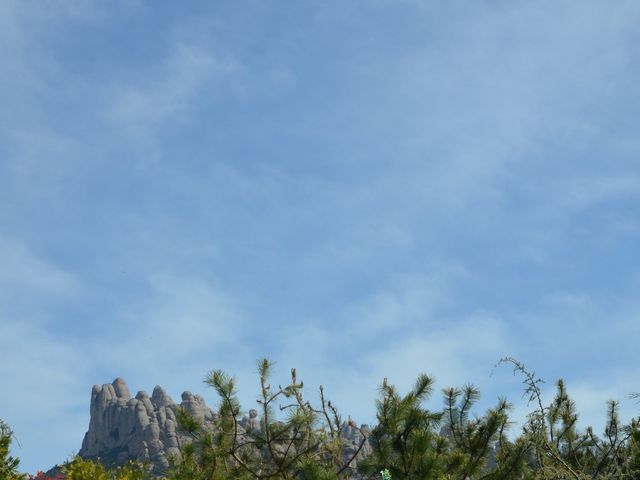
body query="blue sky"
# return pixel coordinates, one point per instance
(359, 190)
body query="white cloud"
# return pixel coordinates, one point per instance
(351, 373)
(43, 377)
(189, 314)
(439, 141)
(591, 396)
(23, 271)
(455, 351)
(188, 75)
(396, 334)
(585, 192)
(44, 383)
(411, 302)
(42, 371)
(173, 336)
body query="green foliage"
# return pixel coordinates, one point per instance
(559, 451)
(81, 469)
(408, 442)
(405, 441)
(296, 448)
(8, 464)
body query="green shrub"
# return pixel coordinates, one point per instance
(81, 469)
(8, 464)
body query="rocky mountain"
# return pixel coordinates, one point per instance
(144, 428)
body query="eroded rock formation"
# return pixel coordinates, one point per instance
(144, 428)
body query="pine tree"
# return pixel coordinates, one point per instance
(561, 452)
(8, 464)
(405, 441)
(296, 448)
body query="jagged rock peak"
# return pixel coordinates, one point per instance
(160, 398)
(101, 396)
(122, 428)
(121, 389)
(141, 395)
(196, 405)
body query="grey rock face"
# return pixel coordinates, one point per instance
(144, 428)
(122, 428)
(120, 388)
(251, 424)
(195, 405)
(353, 438)
(160, 398)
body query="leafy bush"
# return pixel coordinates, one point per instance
(81, 469)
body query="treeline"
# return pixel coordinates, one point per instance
(408, 442)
